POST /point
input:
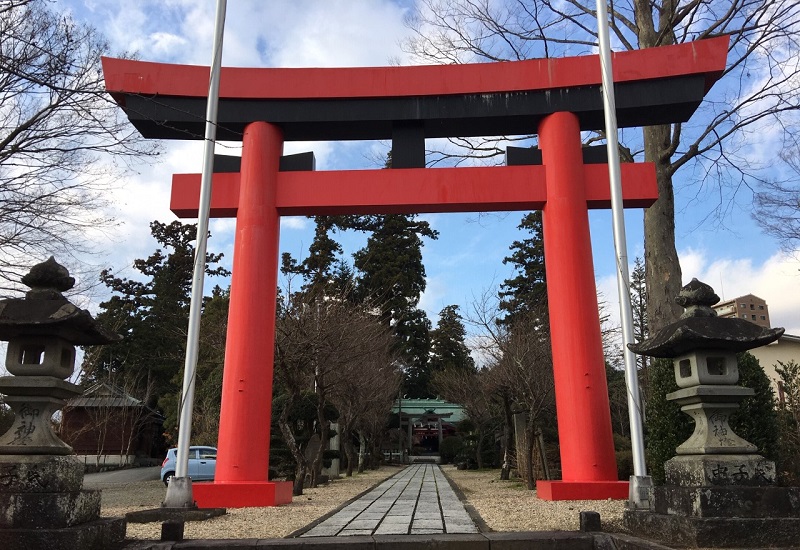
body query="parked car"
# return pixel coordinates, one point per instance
(202, 464)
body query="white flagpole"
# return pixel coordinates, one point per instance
(179, 491)
(639, 481)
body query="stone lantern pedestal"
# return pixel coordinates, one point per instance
(42, 500)
(719, 492)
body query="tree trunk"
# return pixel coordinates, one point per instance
(505, 471)
(530, 443)
(324, 430)
(301, 465)
(346, 444)
(662, 267)
(350, 453)
(478, 454)
(362, 450)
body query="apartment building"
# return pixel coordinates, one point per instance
(749, 307)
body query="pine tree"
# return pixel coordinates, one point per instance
(638, 291)
(318, 268)
(391, 268)
(151, 314)
(412, 344)
(448, 348)
(528, 289)
(392, 276)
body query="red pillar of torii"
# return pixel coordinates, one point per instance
(159, 100)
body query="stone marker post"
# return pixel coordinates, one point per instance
(42, 503)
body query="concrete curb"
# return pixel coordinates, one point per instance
(531, 540)
(473, 513)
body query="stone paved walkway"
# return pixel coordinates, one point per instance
(416, 501)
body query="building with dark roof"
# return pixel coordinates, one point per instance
(107, 427)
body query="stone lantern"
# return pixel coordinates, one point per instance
(42, 503)
(719, 492)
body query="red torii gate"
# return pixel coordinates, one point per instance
(557, 98)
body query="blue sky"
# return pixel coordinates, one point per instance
(730, 253)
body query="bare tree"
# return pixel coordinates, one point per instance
(521, 367)
(778, 204)
(477, 392)
(318, 342)
(366, 388)
(62, 140)
(527, 372)
(758, 91)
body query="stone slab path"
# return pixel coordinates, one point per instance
(416, 501)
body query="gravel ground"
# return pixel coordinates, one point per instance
(508, 506)
(274, 522)
(503, 506)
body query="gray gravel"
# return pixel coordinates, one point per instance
(509, 506)
(503, 506)
(274, 522)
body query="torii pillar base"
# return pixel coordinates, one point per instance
(582, 490)
(242, 494)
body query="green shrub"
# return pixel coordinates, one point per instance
(450, 448)
(624, 464)
(789, 423)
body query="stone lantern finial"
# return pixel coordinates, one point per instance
(48, 279)
(697, 298)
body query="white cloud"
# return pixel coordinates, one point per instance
(433, 299)
(164, 43)
(338, 33)
(777, 280)
(294, 222)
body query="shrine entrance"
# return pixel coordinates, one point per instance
(554, 98)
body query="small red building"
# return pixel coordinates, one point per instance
(107, 427)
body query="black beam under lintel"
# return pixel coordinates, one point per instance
(526, 156)
(299, 162)
(408, 145)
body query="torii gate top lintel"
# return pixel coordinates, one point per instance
(653, 86)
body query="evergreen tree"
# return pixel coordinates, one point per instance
(528, 289)
(317, 269)
(412, 344)
(638, 290)
(392, 276)
(756, 419)
(208, 375)
(151, 313)
(391, 270)
(448, 349)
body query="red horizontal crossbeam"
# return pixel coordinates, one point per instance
(414, 190)
(706, 57)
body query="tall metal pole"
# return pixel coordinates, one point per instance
(639, 482)
(179, 491)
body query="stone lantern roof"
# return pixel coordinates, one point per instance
(46, 312)
(700, 328)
